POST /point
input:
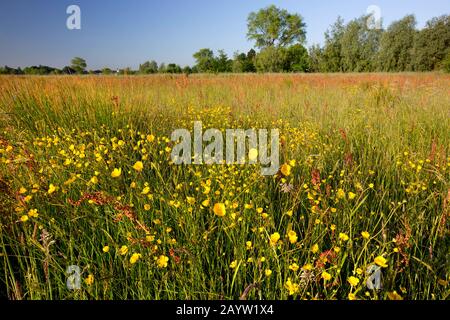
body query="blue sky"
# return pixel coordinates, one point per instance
(120, 33)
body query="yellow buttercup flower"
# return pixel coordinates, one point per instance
(51, 188)
(248, 245)
(315, 248)
(340, 194)
(219, 209)
(162, 261)
(123, 250)
(365, 235)
(285, 169)
(291, 287)
(24, 218)
(105, 249)
(33, 213)
(89, 280)
(190, 200)
(292, 235)
(274, 238)
(351, 296)
(294, 267)
(138, 166)
(343, 237)
(145, 191)
(353, 281)
(233, 264)
(22, 190)
(326, 276)
(116, 172)
(351, 195)
(307, 267)
(135, 257)
(150, 138)
(381, 261)
(268, 272)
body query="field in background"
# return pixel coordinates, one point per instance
(365, 182)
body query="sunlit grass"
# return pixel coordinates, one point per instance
(365, 182)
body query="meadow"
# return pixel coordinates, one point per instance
(86, 180)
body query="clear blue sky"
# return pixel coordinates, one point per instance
(120, 33)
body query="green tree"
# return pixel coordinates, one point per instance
(397, 44)
(272, 26)
(331, 56)
(446, 63)
(148, 67)
(271, 59)
(205, 61)
(79, 65)
(359, 46)
(244, 62)
(223, 64)
(173, 68)
(432, 44)
(316, 59)
(296, 59)
(106, 71)
(187, 70)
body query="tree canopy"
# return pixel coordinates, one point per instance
(273, 26)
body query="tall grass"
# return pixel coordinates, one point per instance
(367, 153)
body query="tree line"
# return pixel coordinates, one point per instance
(280, 38)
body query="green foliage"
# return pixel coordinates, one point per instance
(173, 68)
(79, 65)
(205, 60)
(396, 46)
(223, 64)
(359, 46)
(432, 44)
(270, 59)
(40, 70)
(332, 52)
(107, 71)
(244, 62)
(148, 67)
(296, 59)
(11, 71)
(208, 63)
(446, 63)
(272, 26)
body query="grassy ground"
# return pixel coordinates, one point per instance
(365, 181)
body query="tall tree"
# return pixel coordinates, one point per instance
(359, 46)
(296, 59)
(432, 44)
(205, 60)
(79, 65)
(223, 64)
(397, 44)
(332, 52)
(316, 59)
(272, 26)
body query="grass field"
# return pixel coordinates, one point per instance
(365, 182)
